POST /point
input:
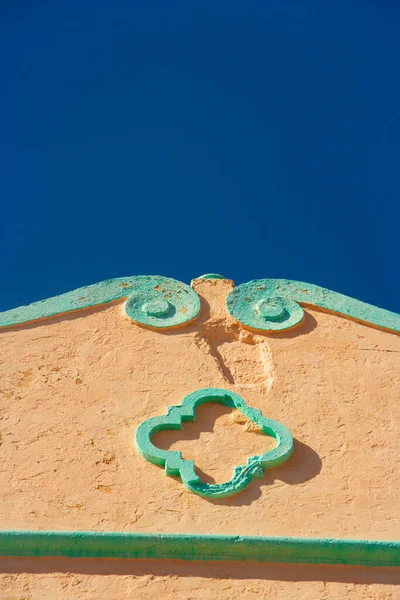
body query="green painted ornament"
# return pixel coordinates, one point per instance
(276, 305)
(175, 464)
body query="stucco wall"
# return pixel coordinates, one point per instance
(74, 389)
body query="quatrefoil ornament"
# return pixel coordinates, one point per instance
(176, 465)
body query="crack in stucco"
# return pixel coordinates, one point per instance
(215, 336)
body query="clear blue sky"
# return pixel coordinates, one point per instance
(252, 139)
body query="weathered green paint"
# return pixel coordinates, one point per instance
(274, 305)
(152, 300)
(185, 469)
(161, 302)
(93, 544)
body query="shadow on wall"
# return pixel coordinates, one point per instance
(208, 570)
(303, 465)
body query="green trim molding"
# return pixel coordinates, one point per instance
(93, 544)
(265, 305)
(275, 304)
(152, 300)
(176, 465)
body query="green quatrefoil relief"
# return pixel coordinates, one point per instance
(175, 464)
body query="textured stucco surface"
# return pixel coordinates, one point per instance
(70, 579)
(75, 388)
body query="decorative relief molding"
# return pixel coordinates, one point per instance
(181, 546)
(263, 305)
(176, 465)
(152, 300)
(275, 304)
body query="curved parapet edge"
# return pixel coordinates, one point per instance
(265, 305)
(152, 301)
(276, 305)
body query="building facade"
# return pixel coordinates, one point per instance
(160, 440)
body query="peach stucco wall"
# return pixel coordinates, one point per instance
(74, 389)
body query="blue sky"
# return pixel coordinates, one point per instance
(252, 139)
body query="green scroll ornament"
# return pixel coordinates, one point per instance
(275, 305)
(264, 305)
(152, 300)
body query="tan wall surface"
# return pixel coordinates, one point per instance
(75, 388)
(70, 579)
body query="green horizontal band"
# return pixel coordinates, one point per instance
(91, 544)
